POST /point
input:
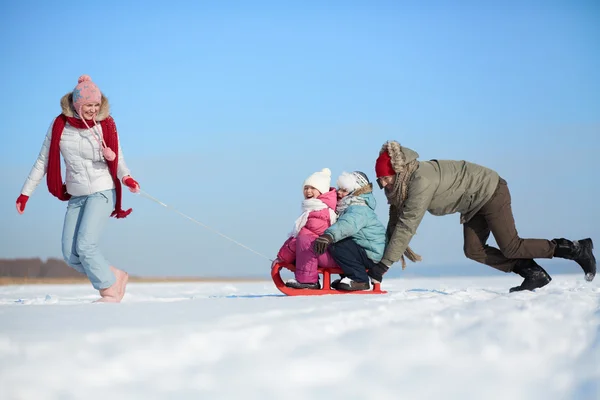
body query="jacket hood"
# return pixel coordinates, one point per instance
(329, 198)
(399, 155)
(366, 193)
(369, 199)
(66, 104)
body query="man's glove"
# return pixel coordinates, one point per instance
(322, 243)
(376, 272)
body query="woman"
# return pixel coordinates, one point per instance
(86, 136)
(482, 198)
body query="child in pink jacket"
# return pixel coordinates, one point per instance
(318, 214)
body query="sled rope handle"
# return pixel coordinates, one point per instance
(201, 224)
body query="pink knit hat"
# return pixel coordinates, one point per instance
(85, 92)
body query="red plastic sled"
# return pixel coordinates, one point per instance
(326, 289)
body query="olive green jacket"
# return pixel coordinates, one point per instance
(441, 187)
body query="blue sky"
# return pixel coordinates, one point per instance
(224, 108)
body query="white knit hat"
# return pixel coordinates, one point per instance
(352, 181)
(320, 180)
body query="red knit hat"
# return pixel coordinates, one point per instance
(383, 165)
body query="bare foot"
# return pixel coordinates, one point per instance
(107, 299)
(124, 284)
(109, 295)
(121, 283)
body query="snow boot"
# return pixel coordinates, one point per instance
(349, 285)
(334, 284)
(535, 276)
(579, 251)
(297, 285)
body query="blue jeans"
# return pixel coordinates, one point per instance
(84, 222)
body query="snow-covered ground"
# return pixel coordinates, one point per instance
(428, 338)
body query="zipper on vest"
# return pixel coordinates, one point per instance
(87, 172)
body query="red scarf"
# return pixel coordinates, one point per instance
(54, 177)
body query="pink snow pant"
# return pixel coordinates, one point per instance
(299, 251)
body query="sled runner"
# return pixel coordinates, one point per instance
(326, 287)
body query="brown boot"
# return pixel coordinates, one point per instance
(349, 285)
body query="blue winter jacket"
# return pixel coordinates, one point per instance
(361, 224)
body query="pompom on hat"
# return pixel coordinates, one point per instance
(320, 180)
(85, 92)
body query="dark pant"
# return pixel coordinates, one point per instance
(352, 259)
(496, 216)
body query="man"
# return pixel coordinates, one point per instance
(482, 198)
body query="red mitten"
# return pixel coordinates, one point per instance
(21, 202)
(131, 183)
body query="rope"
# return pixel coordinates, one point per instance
(201, 224)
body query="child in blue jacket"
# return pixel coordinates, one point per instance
(356, 241)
